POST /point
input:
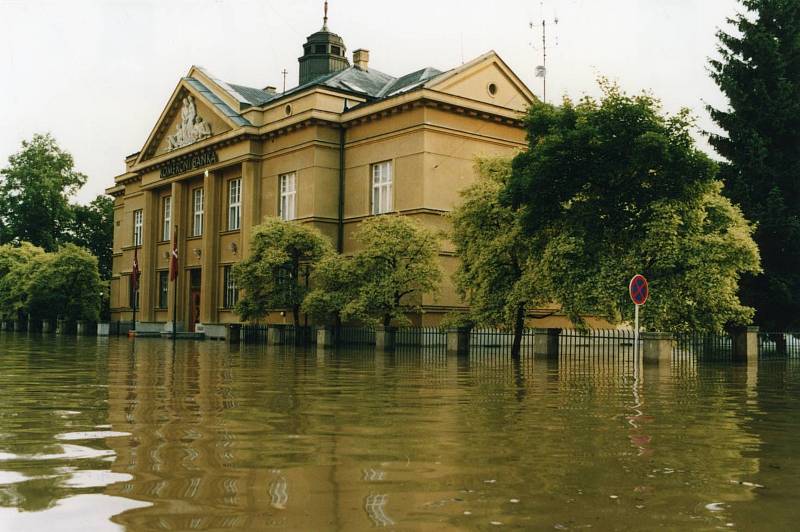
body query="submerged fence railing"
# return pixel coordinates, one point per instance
(703, 346)
(779, 344)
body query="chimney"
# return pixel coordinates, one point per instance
(270, 90)
(361, 59)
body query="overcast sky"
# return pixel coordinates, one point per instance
(97, 74)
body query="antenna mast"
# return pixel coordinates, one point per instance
(544, 61)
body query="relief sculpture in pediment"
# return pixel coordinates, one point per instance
(191, 128)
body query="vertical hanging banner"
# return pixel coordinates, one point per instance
(639, 291)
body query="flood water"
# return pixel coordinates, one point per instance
(110, 434)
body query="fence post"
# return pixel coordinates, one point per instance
(745, 344)
(234, 333)
(324, 337)
(274, 336)
(545, 342)
(657, 348)
(385, 338)
(458, 341)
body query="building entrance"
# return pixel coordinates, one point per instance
(194, 300)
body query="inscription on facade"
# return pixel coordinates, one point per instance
(198, 160)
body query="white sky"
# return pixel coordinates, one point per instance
(97, 74)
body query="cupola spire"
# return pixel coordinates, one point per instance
(325, 18)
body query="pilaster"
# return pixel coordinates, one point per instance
(213, 208)
(179, 220)
(251, 202)
(147, 256)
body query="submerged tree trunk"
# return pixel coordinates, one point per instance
(519, 325)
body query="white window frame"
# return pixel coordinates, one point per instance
(231, 295)
(234, 203)
(382, 187)
(287, 207)
(138, 226)
(167, 213)
(198, 198)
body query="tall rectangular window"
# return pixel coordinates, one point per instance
(166, 228)
(234, 203)
(138, 219)
(231, 296)
(287, 207)
(197, 212)
(382, 187)
(163, 289)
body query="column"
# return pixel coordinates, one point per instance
(657, 348)
(215, 203)
(147, 256)
(251, 202)
(179, 219)
(745, 344)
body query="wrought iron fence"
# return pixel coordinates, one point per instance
(486, 341)
(254, 333)
(703, 346)
(597, 344)
(354, 336)
(421, 336)
(779, 344)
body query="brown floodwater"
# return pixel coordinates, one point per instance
(111, 434)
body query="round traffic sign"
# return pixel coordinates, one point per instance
(639, 289)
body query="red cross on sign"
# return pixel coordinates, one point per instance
(639, 289)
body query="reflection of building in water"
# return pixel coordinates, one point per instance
(248, 442)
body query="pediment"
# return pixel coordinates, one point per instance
(486, 79)
(188, 118)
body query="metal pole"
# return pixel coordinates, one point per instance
(174, 289)
(636, 334)
(135, 295)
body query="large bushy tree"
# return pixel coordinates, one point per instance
(65, 284)
(395, 265)
(495, 271)
(759, 72)
(92, 227)
(35, 189)
(275, 275)
(17, 263)
(615, 187)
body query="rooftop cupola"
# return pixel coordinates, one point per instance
(323, 53)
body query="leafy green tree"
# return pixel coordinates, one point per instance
(34, 193)
(92, 227)
(613, 188)
(493, 275)
(759, 72)
(65, 284)
(335, 284)
(396, 264)
(16, 267)
(275, 275)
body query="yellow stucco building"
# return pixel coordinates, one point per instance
(347, 143)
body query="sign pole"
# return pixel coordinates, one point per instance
(636, 333)
(175, 287)
(639, 291)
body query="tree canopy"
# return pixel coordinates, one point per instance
(65, 284)
(495, 268)
(34, 193)
(615, 187)
(758, 69)
(397, 262)
(275, 275)
(92, 227)
(16, 267)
